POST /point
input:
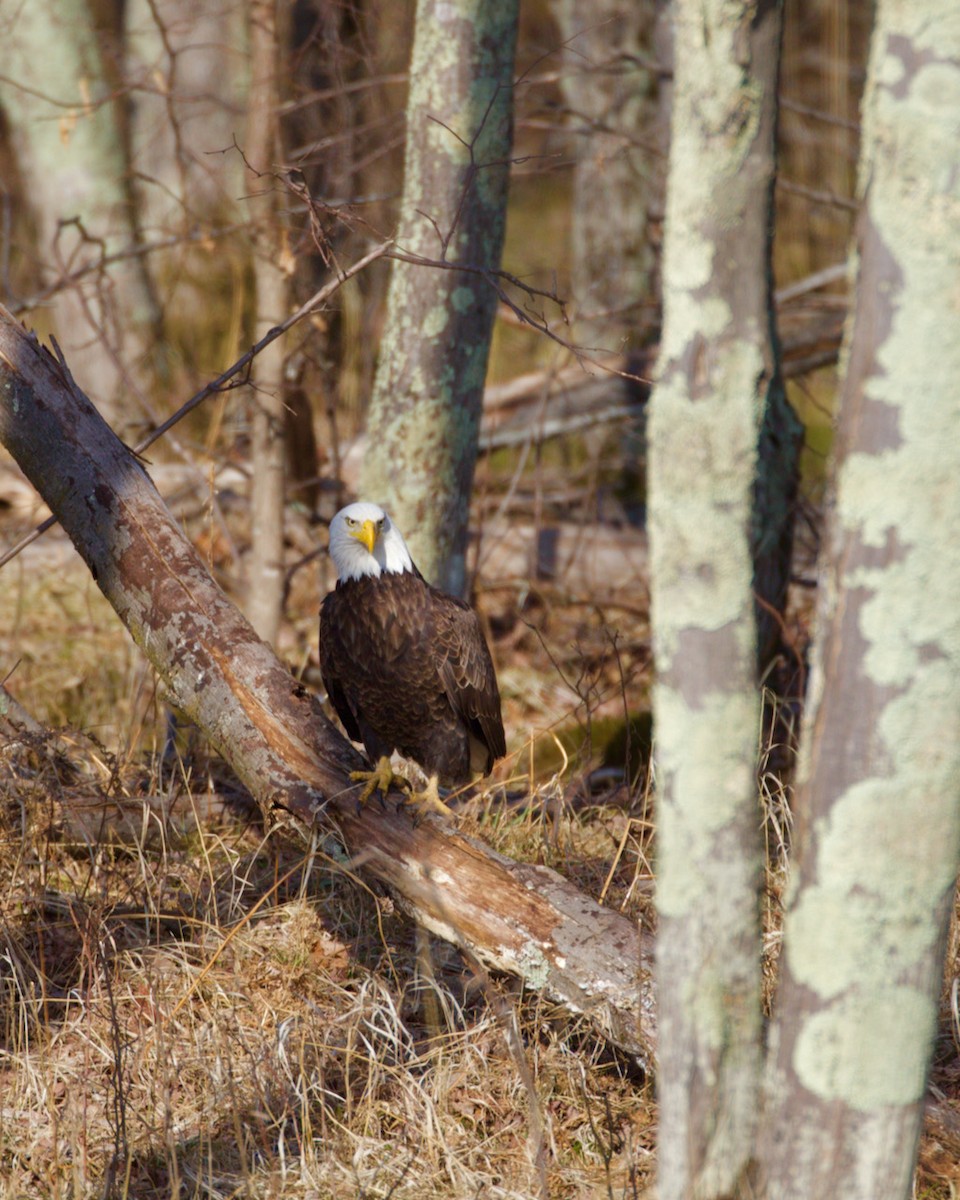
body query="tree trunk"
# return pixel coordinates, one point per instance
(610, 91)
(187, 69)
(717, 367)
(425, 412)
(522, 919)
(879, 803)
(265, 572)
(70, 148)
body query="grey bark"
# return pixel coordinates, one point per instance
(425, 411)
(878, 843)
(717, 370)
(70, 148)
(610, 85)
(512, 917)
(265, 569)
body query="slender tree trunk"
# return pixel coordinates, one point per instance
(522, 919)
(267, 414)
(70, 147)
(611, 96)
(878, 841)
(717, 367)
(425, 413)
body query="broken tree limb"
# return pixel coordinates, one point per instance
(512, 917)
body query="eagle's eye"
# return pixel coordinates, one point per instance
(381, 522)
(350, 522)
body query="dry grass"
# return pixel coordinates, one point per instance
(189, 1010)
(208, 1017)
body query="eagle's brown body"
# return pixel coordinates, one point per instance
(407, 668)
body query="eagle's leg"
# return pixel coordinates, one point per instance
(380, 779)
(427, 800)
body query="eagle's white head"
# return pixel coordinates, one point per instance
(364, 541)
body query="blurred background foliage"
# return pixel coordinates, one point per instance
(170, 80)
(182, 118)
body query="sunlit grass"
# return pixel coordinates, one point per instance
(63, 646)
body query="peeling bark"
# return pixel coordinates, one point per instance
(517, 918)
(425, 412)
(878, 840)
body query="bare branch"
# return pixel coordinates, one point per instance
(513, 917)
(227, 378)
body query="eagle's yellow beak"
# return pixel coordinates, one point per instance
(367, 534)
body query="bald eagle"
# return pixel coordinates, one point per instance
(405, 665)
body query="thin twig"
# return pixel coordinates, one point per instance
(218, 384)
(536, 321)
(108, 260)
(811, 283)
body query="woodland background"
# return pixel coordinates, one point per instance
(176, 1019)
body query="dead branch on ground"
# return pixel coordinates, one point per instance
(513, 917)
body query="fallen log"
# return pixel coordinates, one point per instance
(512, 917)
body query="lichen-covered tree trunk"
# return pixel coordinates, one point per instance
(425, 412)
(611, 97)
(265, 570)
(69, 143)
(717, 367)
(879, 801)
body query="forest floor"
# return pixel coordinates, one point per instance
(191, 1009)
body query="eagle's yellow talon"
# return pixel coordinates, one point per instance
(380, 779)
(426, 801)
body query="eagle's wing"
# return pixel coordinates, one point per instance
(467, 674)
(329, 619)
